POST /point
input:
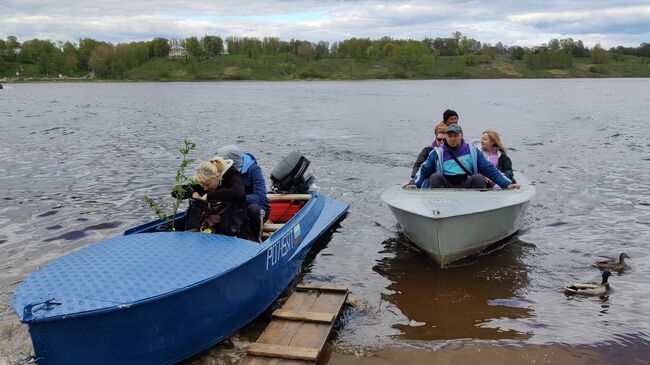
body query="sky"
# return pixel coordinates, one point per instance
(523, 23)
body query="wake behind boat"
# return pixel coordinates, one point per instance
(449, 224)
(157, 297)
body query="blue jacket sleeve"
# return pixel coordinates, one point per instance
(259, 187)
(488, 170)
(427, 169)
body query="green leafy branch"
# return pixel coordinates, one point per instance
(179, 189)
(181, 178)
(155, 206)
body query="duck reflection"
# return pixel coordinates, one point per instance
(475, 298)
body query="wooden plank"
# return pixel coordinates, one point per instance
(272, 227)
(299, 333)
(280, 197)
(285, 352)
(304, 316)
(280, 331)
(322, 287)
(315, 335)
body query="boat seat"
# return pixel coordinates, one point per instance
(276, 197)
(272, 227)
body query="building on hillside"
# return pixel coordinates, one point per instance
(176, 52)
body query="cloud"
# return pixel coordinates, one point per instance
(631, 20)
(523, 23)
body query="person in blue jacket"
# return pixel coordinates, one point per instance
(257, 202)
(457, 164)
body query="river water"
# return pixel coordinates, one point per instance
(76, 160)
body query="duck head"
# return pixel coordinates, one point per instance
(623, 256)
(606, 274)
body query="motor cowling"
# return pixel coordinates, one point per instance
(289, 176)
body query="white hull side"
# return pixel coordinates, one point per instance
(452, 238)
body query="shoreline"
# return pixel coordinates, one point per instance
(69, 80)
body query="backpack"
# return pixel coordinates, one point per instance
(220, 217)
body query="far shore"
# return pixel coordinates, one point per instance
(97, 80)
(292, 68)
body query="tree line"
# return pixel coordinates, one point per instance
(114, 60)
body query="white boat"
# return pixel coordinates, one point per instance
(449, 224)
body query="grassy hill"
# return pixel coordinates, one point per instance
(287, 67)
(290, 67)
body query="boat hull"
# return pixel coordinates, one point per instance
(164, 331)
(450, 239)
(174, 325)
(450, 224)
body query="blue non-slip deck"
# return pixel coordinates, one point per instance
(126, 270)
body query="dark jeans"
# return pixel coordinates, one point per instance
(256, 220)
(476, 181)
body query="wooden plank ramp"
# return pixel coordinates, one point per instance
(299, 330)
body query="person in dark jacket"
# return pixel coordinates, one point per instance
(257, 203)
(440, 139)
(221, 186)
(495, 152)
(449, 117)
(218, 181)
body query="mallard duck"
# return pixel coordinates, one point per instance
(590, 288)
(613, 264)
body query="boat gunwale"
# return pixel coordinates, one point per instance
(526, 194)
(440, 218)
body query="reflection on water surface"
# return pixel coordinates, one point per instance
(457, 302)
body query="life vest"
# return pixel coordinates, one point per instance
(473, 152)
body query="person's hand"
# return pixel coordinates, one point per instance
(196, 195)
(489, 183)
(181, 192)
(410, 186)
(513, 186)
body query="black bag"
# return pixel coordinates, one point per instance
(220, 217)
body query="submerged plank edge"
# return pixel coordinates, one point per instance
(320, 287)
(285, 352)
(304, 316)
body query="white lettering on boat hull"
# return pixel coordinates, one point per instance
(283, 246)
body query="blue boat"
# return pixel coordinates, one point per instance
(151, 297)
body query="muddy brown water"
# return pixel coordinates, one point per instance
(76, 159)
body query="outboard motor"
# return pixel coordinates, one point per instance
(288, 176)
